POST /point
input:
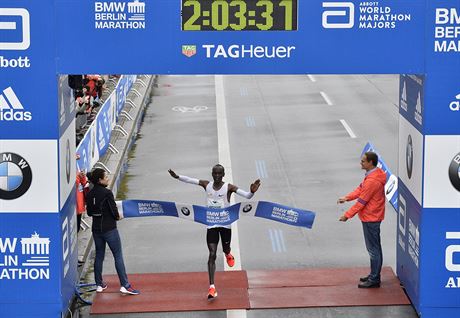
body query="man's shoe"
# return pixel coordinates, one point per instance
(129, 290)
(101, 288)
(230, 259)
(364, 279)
(212, 293)
(368, 284)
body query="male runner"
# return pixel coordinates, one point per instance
(218, 195)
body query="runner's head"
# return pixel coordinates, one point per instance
(218, 172)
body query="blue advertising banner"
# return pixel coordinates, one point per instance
(441, 258)
(409, 244)
(28, 90)
(214, 216)
(272, 37)
(442, 62)
(411, 99)
(391, 186)
(96, 140)
(30, 265)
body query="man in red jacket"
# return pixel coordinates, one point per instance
(370, 206)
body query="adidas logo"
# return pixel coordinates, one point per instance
(455, 105)
(11, 108)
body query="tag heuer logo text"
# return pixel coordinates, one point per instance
(15, 176)
(189, 50)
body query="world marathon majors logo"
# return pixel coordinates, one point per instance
(454, 172)
(15, 176)
(371, 15)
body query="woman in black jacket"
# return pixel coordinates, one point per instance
(100, 204)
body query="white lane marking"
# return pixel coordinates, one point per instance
(272, 240)
(261, 169)
(326, 98)
(311, 78)
(250, 121)
(277, 240)
(225, 160)
(348, 128)
(282, 241)
(244, 91)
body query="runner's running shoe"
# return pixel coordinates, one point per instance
(212, 293)
(230, 259)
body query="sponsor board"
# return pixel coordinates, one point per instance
(410, 162)
(411, 99)
(442, 175)
(67, 164)
(408, 247)
(19, 158)
(441, 258)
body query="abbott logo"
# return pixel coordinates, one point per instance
(7, 28)
(342, 9)
(11, 108)
(451, 250)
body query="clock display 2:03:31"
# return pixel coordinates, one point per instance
(239, 15)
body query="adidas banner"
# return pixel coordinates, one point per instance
(212, 216)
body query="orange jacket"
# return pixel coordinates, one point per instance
(370, 205)
(81, 192)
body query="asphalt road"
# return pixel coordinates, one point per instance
(301, 135)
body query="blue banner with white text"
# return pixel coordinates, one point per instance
(216, 216)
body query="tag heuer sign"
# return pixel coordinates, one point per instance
(189, 50)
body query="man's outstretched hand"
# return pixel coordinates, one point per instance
(173, 174)
(255, 186)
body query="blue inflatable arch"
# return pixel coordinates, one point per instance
(41, 39)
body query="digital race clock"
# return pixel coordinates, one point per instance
(239, 15)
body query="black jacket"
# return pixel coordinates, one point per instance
(100, 204)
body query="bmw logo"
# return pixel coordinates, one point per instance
(185, 211)
(454, 172)
(15, 176)
(67, 161)
(409, 156)
(391, 186)
(247, 208)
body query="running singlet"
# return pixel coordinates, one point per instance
(217, 199)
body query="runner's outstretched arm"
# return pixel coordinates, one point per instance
(186, 179)
(248, 195)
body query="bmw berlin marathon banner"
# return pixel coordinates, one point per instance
(216, 216)
(418, 39)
